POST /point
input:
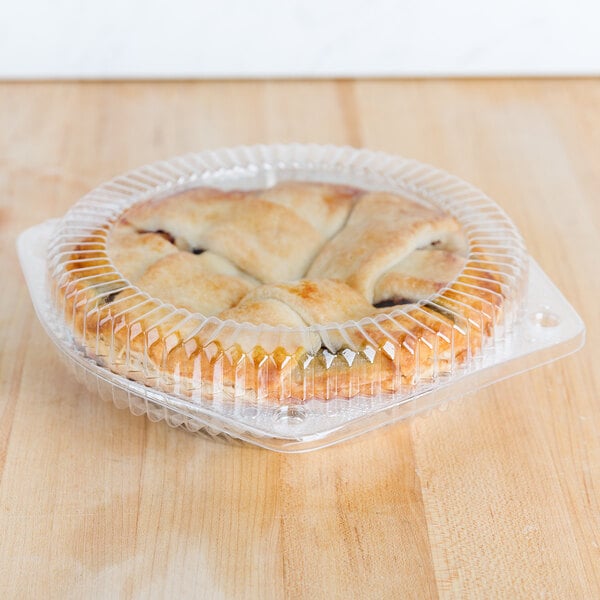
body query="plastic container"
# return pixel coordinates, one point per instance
(500, 315)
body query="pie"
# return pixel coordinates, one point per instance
(278, 296)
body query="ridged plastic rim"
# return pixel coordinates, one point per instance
(485, 224)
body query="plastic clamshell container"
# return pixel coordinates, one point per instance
(506, 316)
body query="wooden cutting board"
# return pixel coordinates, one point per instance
(498, 496)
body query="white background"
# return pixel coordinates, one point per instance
(236, 38)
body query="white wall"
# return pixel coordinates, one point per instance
(231, 38)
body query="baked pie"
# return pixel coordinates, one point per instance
(282, 295)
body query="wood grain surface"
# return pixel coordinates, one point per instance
(498, 496)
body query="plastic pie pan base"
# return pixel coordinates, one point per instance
(549, 329)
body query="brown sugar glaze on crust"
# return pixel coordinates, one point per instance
(300, 291)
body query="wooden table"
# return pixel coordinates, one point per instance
(496, 497)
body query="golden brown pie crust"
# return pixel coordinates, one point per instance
(159, 295)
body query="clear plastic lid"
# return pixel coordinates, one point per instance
(313, 382)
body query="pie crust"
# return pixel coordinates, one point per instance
(281, 295)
